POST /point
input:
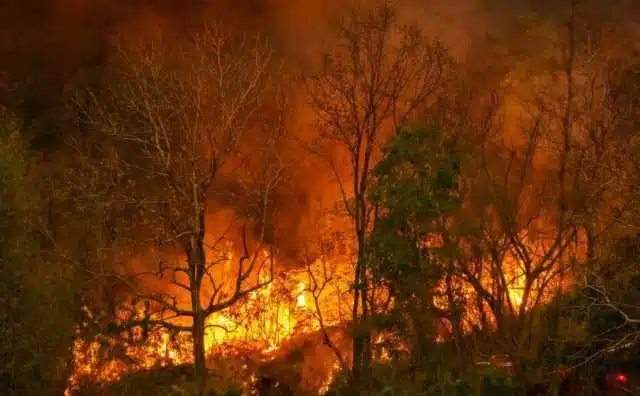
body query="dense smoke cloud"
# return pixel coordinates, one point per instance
(48, 46)
(71, 34)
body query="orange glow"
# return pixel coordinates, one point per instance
(271, 316)
(263, 321)
(329, 380)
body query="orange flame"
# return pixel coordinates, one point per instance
(267, 318)
(264, 321)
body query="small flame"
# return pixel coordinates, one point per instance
(326, 385)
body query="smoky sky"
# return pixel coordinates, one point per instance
(48, 41)
(46, 44)
(68, 34)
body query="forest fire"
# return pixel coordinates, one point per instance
(297, 303)
(247, 304)
(209, 203)
(266, 319)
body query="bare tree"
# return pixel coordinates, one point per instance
(603, 298)
(328, 285)
(188, 126)
(374, 78)
(541, 198)
(523, 234)
(607, 171)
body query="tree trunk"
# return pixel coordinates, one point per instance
(198, 352)
(365, 373)
(197, 260)
(362, 334)
(356, 369)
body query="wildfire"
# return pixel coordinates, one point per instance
(263, 322)
(266, 319)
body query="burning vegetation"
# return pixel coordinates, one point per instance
(384, 218)
(256, 328)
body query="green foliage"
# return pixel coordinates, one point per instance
(418, 175)
(172, 381)
(14, 199)
(499, 385)
(416, 185)
(168, 381)
(402, 378)
(35, 319)
(455, 388)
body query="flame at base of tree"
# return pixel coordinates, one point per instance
(259, 324)
(297, 303)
